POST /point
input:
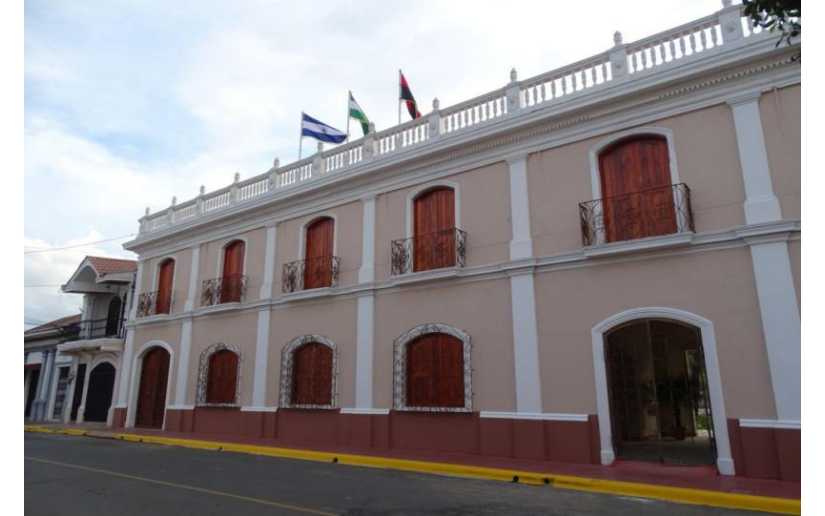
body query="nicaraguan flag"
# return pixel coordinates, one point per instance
(320, 131)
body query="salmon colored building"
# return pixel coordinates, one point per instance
(598, 263)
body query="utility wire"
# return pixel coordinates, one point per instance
(50, 249)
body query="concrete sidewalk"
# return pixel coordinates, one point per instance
(701, 486)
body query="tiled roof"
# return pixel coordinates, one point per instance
(53, 325)
(105, 266)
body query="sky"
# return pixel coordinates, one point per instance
(129, 103)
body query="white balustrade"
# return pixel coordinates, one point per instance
(622, 62)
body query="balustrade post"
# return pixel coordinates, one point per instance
(318, 161)
(513, 94)
(199, 200)
(171, 213)
(618, 57)
(273, 175)
(234, 191)
(730, 21)
(144, 220)
(368, 150)
(435, 121)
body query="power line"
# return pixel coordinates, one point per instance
(50, 249)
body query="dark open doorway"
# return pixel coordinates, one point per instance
(99, 394)
(659, 404)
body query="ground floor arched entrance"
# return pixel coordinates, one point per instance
(151, 397)
(99, 393)
(660, 408)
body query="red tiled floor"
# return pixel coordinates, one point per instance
(694, 477)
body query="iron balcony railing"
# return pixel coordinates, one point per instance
(148, 304)
(311, 273)
(97, 329)
(226, 289)
(653, 212)
(436, 250)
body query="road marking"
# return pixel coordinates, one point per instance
(261, 501)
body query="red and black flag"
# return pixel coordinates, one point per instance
(406, 95)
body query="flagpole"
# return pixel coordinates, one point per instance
(349, 94)
(301, 137)
(399, 96)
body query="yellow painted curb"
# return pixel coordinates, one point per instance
(615, 487)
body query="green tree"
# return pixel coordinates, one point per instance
(784, 16)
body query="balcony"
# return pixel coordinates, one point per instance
(109, 328)
(654, 212)
(227, 289)
(149, 304)
(312, 273)
(437, 250)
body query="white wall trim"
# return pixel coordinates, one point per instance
(724, 461)
(366, 411)
(521, 244)
(525, 344)
(183, 364)
(258, 408)
(365, 336)
(771, 423)
(366, 274)
(536, 416)
(423, 188)
(194, 276)
(269, 261)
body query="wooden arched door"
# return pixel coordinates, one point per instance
(223, 377)
(154, 375)
(166, 274)
(434, 233)
(318, 255)
(312, 375)
(637, 195)
(99, 393)
(435, 371)
(232, 279)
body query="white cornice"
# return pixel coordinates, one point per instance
(534, 129)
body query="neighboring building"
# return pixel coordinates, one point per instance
(45, 397)
(82, 353)
(599, 262)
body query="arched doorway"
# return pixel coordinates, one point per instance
(151, 399)
(113, 317)
(658, 393)
(99, 394)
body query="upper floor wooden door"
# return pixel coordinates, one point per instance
(434, 235)
(232, 280)
(151, 400)
(637, 195)
(166, 273)
(318, 255)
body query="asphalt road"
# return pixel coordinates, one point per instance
(84, 476)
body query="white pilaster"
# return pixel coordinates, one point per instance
(521, 246)
(138, 284)
(365, 334)
(761, 204)
(67, 405)
(261, 360)
(269, 261)
(125, 369)
(780, 325)
(365, 323)
(366, 273)
(81, 416)
(194, 274)
(182, 374)
(771, 263)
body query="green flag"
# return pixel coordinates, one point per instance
(357, 113)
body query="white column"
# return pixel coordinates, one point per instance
(138, 286)
(193, 278)
(44, 384)
(182, 374)
(81, 416)
(780, 325)
(125, 369)
(771, 263)
(523, 299)
(761, 204)
(67, 405)
(261, 361)
(269, 261)
(365, 322)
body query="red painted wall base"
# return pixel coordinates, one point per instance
(558, 441)
(766, 452)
